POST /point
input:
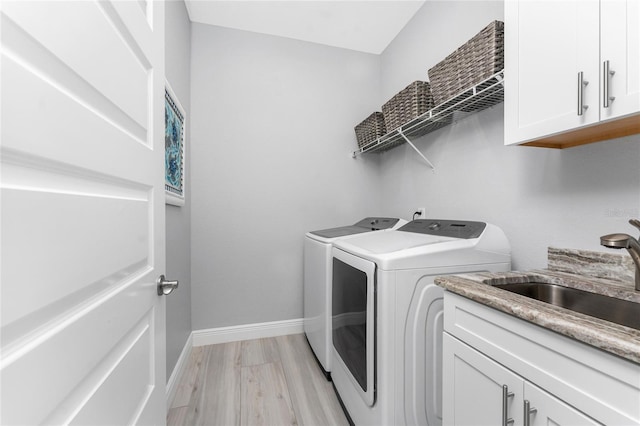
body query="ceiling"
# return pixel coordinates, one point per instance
(362, 25)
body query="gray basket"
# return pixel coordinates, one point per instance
(409, 103)
(473, 62)
(370, 129)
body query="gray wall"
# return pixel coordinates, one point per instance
(272, 129)
(539, 197)
(178, 219)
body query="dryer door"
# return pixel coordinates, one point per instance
(353, 320)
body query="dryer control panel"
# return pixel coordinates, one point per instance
(367, 224)
(445, 228)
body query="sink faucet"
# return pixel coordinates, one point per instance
(618, 241)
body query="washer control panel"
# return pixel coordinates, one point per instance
(377, 223)
(445, 228)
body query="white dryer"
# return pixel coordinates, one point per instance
(317, 280)
(387, 315)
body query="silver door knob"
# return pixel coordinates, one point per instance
(165, 286)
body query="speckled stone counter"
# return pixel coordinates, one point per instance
(603, 273)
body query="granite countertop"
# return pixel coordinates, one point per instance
(603, 273)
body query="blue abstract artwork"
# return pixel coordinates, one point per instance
(174, 147)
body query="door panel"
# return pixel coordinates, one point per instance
(472, 390)
(106, 250)
(620, 44)
(82, 327)
(62, 29)
(552, 42)
(121, 379)
(90, 131)
(46, 367)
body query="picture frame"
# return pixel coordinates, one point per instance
(175, 148)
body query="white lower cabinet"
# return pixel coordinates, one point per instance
(478, 391)
(496, 365)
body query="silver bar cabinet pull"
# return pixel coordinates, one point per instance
(606, 74)
(506, 420)
(581, 85)
(527, 412)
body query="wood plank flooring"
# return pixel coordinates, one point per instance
(274, 381)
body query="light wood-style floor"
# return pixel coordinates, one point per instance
(274, 381)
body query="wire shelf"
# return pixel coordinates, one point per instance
(484, 95)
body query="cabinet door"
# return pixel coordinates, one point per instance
(472, 387)
(552, 411)
(620, 46)
(547, 43)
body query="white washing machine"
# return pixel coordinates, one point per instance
(317, 280)
(387, 315)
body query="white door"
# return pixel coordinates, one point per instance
(83, 333)
(547, 44)
(620, 47)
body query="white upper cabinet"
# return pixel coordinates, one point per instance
(556, 53)
(620, 49)
(546, 47)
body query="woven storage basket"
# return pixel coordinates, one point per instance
(370, 129)
(408, 104)
(475, 61)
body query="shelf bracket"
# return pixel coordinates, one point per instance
(416, 149)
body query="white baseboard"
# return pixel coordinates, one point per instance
(178, 370)
(213, 336)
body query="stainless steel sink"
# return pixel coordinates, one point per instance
(619, 311)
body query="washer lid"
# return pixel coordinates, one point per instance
(367, 224)
(390, 242)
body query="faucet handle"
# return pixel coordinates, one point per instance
(635, 222)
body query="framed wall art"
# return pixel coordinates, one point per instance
(174, 148)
